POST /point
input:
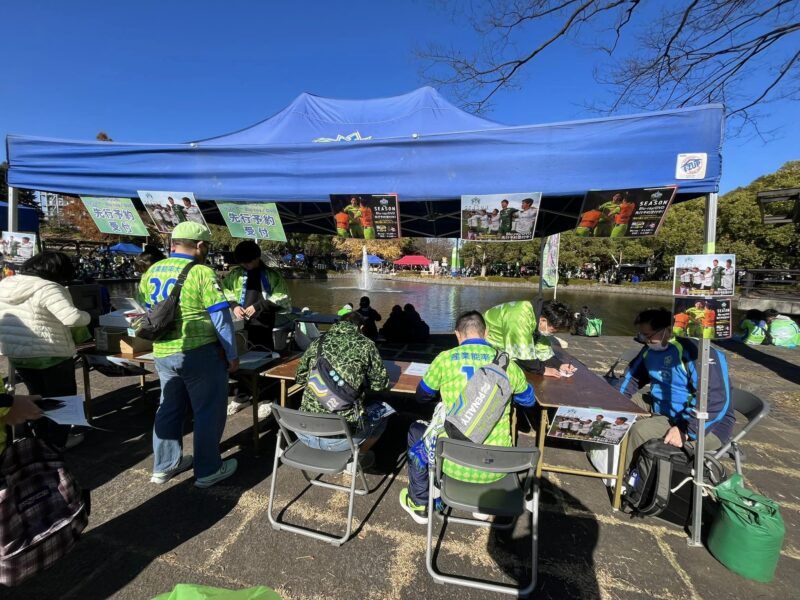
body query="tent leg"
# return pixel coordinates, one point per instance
(13, 200)
(702, 400)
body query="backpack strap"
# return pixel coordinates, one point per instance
(661, 489)
(501, 360)
(176, 289)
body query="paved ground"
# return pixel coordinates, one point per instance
(143, 538)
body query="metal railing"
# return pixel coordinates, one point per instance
(777, 283)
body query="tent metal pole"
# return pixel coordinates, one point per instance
(13, 200)
(701, 410)
(541, 267)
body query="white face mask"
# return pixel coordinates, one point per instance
(545, 333)
(657, 346)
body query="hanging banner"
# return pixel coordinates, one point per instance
(500, 217)
(366, 216)
(550, 261)
(704, 275)
(708, 318)
(253, 220)
(167, 209)
(115, 215)
(624, 213)
(17, 247)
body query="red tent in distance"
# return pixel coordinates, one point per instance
(413, 260)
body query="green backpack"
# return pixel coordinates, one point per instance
(594, 327)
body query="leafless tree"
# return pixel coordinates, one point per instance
(741, 53)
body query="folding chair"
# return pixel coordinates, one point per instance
(503, 498)
(754, 409)
(625, 358)
(321, 462)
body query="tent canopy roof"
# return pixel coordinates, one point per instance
(123, 248)
(413, 260)
(417, 145)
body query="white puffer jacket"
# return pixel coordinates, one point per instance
(35, 317)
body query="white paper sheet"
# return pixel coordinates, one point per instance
(125, 362)
(146, 356)
(70, 414)
(418, 369)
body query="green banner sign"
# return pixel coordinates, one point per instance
(253, 220)
(115, 215)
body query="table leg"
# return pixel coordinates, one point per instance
(87, 389)
(142, 383)
(541, 434)
(284, 395)
(254, 391)
(623, 451)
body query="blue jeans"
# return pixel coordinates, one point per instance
(198, 377)
(374, 422)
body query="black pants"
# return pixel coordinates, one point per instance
(58, 380)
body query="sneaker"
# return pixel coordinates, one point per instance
(184, 464)
(482, 516)
(264, 410)
(227, 469)
(418, 512)
(239, 403)
(365, 460)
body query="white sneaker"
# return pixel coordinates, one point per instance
(184, 464)
(227, 469)
(264, 410)
(240, 403)
(482, 516)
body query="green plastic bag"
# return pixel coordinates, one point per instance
(594, 327)
(747, 533)
(190, 591)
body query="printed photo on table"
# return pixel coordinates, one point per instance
(366, 216)
(591, 425)
(704, 275)
(708, 318)
(167, 209)
(17, 247)
(624, 213)
(500, 217)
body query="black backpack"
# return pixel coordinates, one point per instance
(160, 319)
(657, 470)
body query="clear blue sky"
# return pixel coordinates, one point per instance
(174, 71)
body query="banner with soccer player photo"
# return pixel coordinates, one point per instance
(624, 213)
(366, 216)
(591, 425)
(709, 318)
(17, 247)
(704, 275)
(500, 217)
(167, 209)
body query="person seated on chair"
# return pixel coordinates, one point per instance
(356, 359)
(394, 327)
(447, 377)
(370, 315)
(783, 331)
(514, 328)
(671, 365)
(256, 293)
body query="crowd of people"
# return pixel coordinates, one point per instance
(768, 327)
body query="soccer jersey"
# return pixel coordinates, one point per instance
(200, 296)
(697, 278)
(506, 215)
(526, 220)
(494, 223)
(449, 373)
(510, 328)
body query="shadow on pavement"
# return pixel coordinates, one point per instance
(780, 367)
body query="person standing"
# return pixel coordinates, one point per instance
(697, 278)
(717, 273)
(588, 222)
(257, 294)
(353, 210)
(367, 220)
(728, 274)
(506, 216)
(608, 211)
(342, 224)
(192, 359)
(177, 210)
(36, 317)
(623, 217)
(193, 213)
(526, 218)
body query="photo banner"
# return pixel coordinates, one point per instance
(591, 425)
(704, 275)
(624, 213)
(167, 209)
(17, 247)
(500, 217)
(253, 220)
(709, 318)
(115, 215)
(550, 261)
(366, 216)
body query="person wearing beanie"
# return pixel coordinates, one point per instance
(192, 359)
(256, 293)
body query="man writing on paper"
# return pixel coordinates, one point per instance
(192, 359)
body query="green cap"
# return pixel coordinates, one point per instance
(345, 310)
(191, 231)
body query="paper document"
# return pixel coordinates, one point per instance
(125, 362)
(418, 369)
(69, 414)
(253, 359)
(146, 356)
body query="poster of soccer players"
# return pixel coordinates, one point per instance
(17, 247)
(366, 216)
(624, 213)
(500, 217)
(167, 209)
(704, 275)
(591, 425)
(708, 318)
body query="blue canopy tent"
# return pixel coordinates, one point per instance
(372, 260)
(417, 145)
(123, 248)
(28, 219)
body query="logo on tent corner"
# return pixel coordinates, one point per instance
(353, 137)
(691, 165)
